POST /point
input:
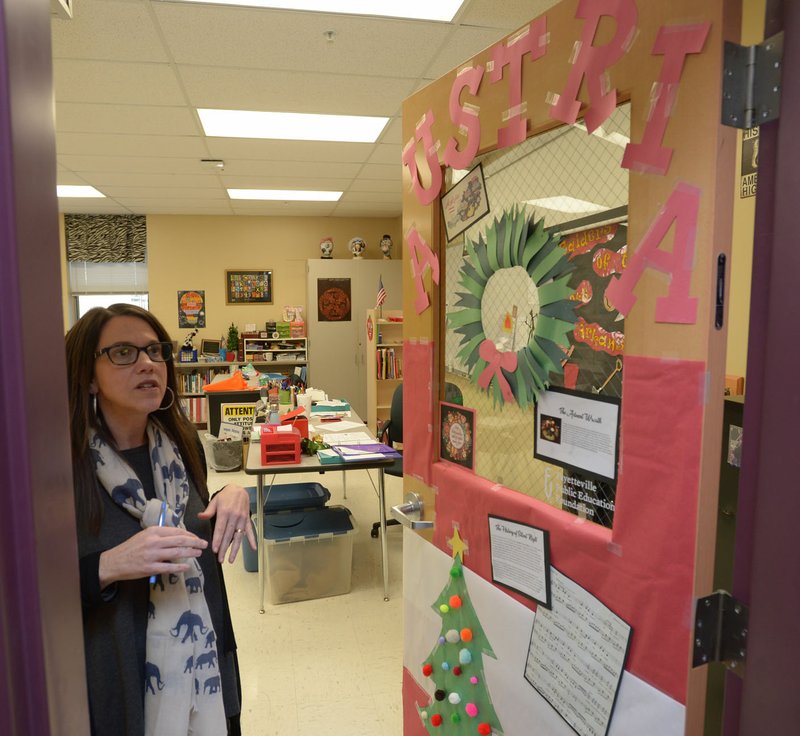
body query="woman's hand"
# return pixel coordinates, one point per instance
(231, 506)
(149, 552)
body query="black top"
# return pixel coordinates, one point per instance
(115, 620)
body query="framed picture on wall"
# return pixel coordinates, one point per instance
(465, 203)
(192, 308)
(248, 287)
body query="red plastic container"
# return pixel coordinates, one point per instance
(279, 448)
(296, 420)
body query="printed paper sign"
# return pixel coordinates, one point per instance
(577, 431)
(521, 558)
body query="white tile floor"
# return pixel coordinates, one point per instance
(331, 665)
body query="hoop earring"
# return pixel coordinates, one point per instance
(93, 403)
(171, 400)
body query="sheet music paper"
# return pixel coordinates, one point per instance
(347, 438)
(576, 655)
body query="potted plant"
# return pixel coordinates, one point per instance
(232, 343)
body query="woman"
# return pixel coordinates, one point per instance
(160, 650)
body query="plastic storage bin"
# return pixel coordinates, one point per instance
(222, 455)
(279, 448)
(291, 497)
(309, 553)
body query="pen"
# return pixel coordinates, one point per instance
(161, 518)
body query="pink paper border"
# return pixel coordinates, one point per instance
(643, 571)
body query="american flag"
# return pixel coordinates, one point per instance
(381, 293)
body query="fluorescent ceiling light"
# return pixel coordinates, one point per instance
(291, 126)
(419, 9)
(567, 204)
(284, 195)
(69, 190)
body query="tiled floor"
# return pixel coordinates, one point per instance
(332, 665)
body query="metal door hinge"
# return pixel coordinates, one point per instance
(720, 631)
(751, 83)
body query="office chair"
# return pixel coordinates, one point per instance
(392, 432)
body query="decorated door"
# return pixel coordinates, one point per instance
(568, 198)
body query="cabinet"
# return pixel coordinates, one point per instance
(384, 354)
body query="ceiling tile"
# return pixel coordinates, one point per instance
(124, 165)
(73, 117)
(266, 150)
(92, 207)
(104, 180)
(289, 91)
(465, 43)
(164, 193)
(116, 82)
(130, 145)
(387, 154)
(381, 171)
(292, 40)
(106, 29)
(509, 14)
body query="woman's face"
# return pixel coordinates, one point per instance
(127, 394)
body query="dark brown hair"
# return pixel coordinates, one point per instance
(81, 345)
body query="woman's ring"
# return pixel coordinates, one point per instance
(240, 531)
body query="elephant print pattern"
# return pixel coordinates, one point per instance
(182, 682)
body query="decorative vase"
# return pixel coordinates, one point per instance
(326, 247)
(386, 247)
(357, 247)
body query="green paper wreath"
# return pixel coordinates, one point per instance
(515, 239)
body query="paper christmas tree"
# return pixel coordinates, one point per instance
(461, 703)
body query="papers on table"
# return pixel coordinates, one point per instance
(347, 438)
(330, 409)
(341, 426)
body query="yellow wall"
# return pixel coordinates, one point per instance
(743, 221)
(193, 252)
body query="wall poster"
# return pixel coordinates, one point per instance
(334, 302)
(248, 287)
(191, 308)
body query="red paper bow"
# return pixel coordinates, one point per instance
(496, 361)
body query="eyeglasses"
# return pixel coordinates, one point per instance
(124, 354)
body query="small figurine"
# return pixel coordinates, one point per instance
(326, 246)
(386, 247)
(188, 343)
(357, 247)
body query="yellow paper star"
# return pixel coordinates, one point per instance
(458, 545)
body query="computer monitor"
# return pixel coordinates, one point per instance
(210, 347)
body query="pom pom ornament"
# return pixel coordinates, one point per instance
(444, 608)
(452, 636)
(454, 698)
(427, 669)
(446, 666)
(455, 601)
(465, 656)
(436, 720)
(472, 709)
(457, 671)
(455, 718)
(439, 695)
(466, 634)
(473, 680)
(484, 729)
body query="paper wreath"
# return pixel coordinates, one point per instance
(515, 239)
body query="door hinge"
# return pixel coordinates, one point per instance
(720, 631)
(751, 83)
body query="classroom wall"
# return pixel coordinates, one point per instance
(193, 252)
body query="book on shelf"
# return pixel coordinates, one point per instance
(389, 363)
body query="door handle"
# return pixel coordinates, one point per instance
(413, 507)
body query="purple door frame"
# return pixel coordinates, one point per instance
(42, 678)
(767, 557)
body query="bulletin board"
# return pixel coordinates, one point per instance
(623, 308)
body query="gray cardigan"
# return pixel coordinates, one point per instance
(115, 620)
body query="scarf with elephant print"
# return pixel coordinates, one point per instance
(182, 688)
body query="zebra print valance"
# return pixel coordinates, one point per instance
(106, 238)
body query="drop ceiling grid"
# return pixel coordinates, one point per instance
(128, 75)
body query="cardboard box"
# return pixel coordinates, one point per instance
(309, 553)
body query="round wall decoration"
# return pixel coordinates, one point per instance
(514, 314)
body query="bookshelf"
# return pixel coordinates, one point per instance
(384, 362)
(191, 378)
(275, 351)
